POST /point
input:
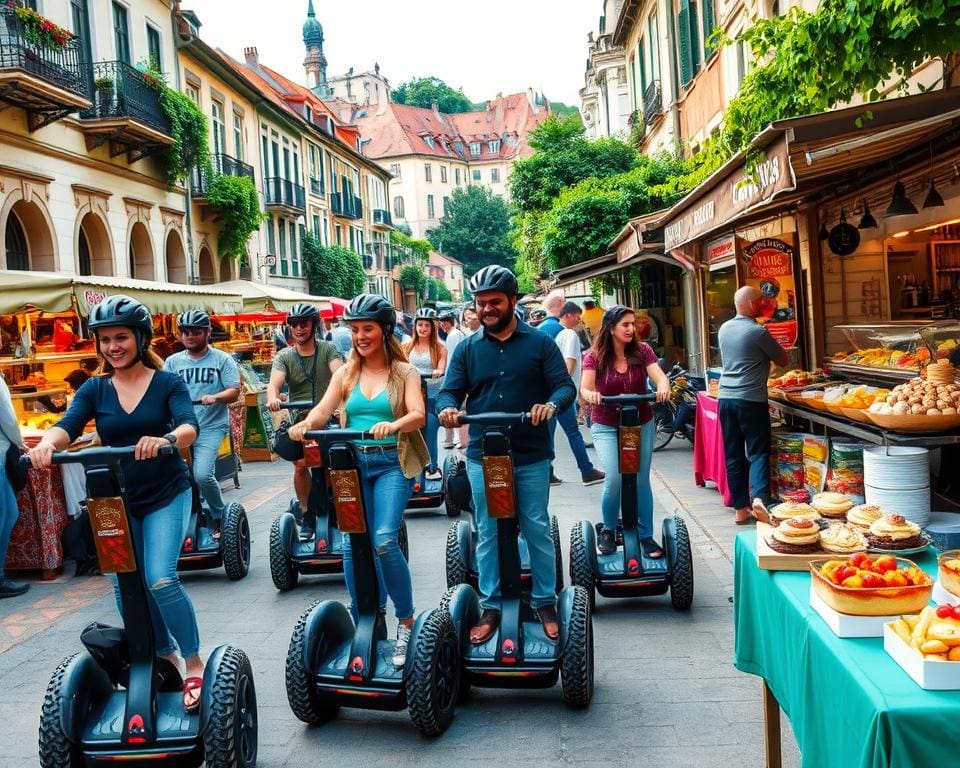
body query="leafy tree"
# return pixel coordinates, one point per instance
(417, 249)
(234, 198)
(563, 110)
(332, 270)
(475, 229)
(435, 290)
(424, 91)
(412, 278)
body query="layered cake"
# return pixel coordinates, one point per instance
(894, 532)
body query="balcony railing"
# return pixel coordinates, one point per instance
(220, 165)
(285, 193)
(381, 216)
(315, 187)
(347, 206)
(652, 102)
(120, 91)
(357, 208)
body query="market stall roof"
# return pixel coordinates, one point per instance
(47, 291)
(258, 296)
(337, 307)
(159, 298)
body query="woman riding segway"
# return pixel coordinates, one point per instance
(619, 363)
(429, 357)
(134, 403)
(379, 391)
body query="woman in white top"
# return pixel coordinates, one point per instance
(428, 355)
(9, 435)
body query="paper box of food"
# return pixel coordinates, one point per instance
(845, 625)
(932, 675)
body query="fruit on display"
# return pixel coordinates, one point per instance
(946, 348)
(934, 632)
(795, 378)
(880, 357)
(864, 586)
(920, 397)
(860, 572)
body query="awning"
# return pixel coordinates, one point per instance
(257, 296)
(266, 316)
(159, 298)
(337, 307)
(604, 265)
(46, 291)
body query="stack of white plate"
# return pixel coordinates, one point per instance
(897, 479)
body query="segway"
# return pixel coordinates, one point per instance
(203, 551)
(519, 654)
(117, 702)
(323, 554)
(429, 493)
(332, 663)
(628, 572)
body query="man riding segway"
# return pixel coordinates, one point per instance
(509, 366)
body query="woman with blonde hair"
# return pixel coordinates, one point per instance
(379, 391)
(428, 355)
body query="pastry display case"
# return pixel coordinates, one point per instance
(889, 352)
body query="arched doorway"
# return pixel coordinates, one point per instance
(205, 267)
(27, 240)
(245, 272)
(226, 269)
(176, 259)
(94, 254)
(141, 252)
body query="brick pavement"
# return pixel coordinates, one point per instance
(666, 691)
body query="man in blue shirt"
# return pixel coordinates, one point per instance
(213, 379)
(551, 323)
(509, 366)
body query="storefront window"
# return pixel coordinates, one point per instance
(721, 285)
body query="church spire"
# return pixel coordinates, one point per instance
(315, 62)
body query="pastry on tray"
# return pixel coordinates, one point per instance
(796, 536)
(949, 571)
(842, 538)
(894, 532)
(864, 515)
(790, 510)
(832, 505)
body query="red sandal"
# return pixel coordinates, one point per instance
(192, 687)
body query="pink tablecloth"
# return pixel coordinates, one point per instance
(709, 460)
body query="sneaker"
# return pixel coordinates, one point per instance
(216, 528)
(11, 588)
(306, 532)
(433, 473)
(400, 647)
(594, 477)
(607, 544)
(554, 480)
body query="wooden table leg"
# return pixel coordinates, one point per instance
(771, 728)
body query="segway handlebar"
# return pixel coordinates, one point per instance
(337, 435)
(95, 457)
(297, 405)
(494, 418)
(628, 399)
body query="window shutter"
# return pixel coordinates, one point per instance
(694, 39)
(709, 23)
(683, 38)
(643, 70)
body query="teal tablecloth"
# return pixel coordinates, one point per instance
(849, 703)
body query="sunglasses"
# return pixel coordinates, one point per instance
(193, 331)
(298, 323)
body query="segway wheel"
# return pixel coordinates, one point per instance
(457, 569)
(282, 572)
(230, 738)
(303, 697)
(403, 540)
(681, 576)
(557, 551)
(449, 502)
(433, 682)
(581, 574)
(56, 750)
(576, 660)
(467, 614)
(235, 542)
(663, 421)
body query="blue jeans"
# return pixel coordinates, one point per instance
(8, 513)
(385, 495)
(157, 539)
(431, 429)
(568, 420)
(607, 446)
(745, 425)
(205, 450)
(533, 493)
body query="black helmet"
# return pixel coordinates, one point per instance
(124, 311)
(371, 306)
(494, 278)
(194, 318)
(303, 311)
(426, 313)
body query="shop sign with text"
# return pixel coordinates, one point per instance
(769, 268)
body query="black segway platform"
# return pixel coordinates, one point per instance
(202, 552)
(628, 572)
(430, 493)
(519, 654)
(117, 703)
(332, 663)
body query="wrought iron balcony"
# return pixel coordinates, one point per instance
(382, 216)
(357, 207)
(285, 194)
(346, 206)
(220, 165)
(37, 73)
(384, 255)
(652, 102)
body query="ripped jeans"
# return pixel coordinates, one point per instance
(158, 538)
(385, 495)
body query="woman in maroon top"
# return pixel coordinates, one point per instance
(619, 364)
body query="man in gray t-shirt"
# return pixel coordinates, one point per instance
(747, 350)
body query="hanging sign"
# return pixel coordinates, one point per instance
(769, 268)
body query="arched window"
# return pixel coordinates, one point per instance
(15, 242)
(83, 254)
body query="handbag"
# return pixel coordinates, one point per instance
(16, 472)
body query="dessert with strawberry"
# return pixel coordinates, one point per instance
(862, 586)
(894, 532)
(795, 536)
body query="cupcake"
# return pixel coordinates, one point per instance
(864, 515)
(832, 505)
(842, 538)
(790, 510)
(894, 532)
(795, 536)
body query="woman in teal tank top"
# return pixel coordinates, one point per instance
(379, 391)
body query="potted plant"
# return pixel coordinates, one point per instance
(107, 88)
